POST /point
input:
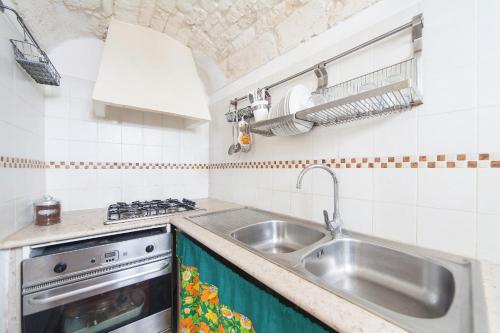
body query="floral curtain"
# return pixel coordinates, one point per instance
(215, 297)
(200, 310)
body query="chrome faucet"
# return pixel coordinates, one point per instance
(335, 224)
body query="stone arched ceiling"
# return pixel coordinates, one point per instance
(231, 36)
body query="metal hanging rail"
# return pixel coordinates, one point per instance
(21, 23)
(416, 24)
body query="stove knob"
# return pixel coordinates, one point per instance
(150, 248)
(60, 267)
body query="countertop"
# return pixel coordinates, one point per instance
(333, 310)
(90, 222)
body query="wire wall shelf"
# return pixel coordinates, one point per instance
(36, 63)
(385, 91)
(30, 56)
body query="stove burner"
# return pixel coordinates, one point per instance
(122, 211)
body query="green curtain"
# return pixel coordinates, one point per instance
(266, 312)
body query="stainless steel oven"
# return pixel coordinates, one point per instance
(116, 283)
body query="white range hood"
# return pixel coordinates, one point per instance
(147, 70)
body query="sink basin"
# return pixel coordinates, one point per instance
(418, 289)
(407, 284)
(277, 236)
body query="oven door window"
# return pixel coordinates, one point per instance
(104, 312)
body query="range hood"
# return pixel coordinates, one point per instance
(147, 70)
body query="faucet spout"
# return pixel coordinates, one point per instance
(335, 224)
(298, 186)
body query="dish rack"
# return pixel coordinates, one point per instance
(388, 90)
(30, 56)
(391, 89)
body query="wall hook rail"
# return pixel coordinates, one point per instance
(391, 89)
(416, 25)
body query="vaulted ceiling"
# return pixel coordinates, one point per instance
(231, 36)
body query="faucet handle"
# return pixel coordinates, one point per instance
(327, 220)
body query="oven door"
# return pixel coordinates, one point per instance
(132, 300)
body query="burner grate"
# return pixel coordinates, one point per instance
(122, 211)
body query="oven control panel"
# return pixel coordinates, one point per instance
(58, 261)
(110, 257)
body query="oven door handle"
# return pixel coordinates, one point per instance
(46, 300)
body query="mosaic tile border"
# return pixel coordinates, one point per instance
(449, 161)
(20, 163)
(123, 165)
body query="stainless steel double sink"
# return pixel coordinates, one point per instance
(418, 289)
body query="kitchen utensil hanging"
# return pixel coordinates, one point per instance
(235, 146)
(30, 56)
(244, 136)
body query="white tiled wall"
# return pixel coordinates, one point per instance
(74, 133)
(455, 210)
(21, 136)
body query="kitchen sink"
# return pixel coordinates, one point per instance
(276, 236)
(421, 290)
(398, 281)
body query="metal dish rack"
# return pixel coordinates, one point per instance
(30, 55)
(390, 89)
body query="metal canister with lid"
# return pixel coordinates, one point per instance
(47, 211)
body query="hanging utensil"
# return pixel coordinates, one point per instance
(244, 137)
(237, 146)
(263, 94)
(230, 151)
(251, 97)
(234, 147)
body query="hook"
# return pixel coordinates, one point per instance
(322, 76)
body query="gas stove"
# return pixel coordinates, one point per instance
(140, 210)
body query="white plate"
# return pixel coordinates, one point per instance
(299, 96)
(300, 99)
(296, 99)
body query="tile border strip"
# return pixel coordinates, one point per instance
(449, 161)
(20, 163)
(123, 165)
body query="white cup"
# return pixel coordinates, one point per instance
(260, 110)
